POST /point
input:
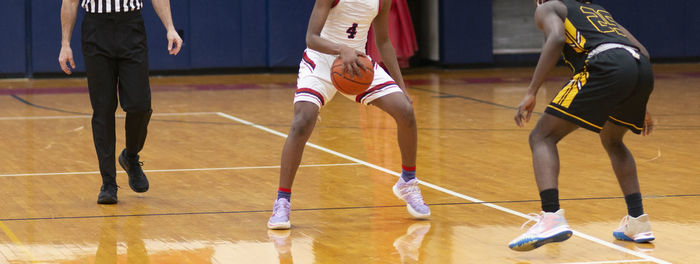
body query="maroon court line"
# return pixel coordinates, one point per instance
(246, 86)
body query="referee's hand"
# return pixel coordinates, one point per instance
(174, 39)
(65, 57)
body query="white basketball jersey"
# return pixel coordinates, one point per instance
(348, 22)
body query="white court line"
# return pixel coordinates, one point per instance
(177, 170)
(7, 118)
(441, 189)
(609, 261)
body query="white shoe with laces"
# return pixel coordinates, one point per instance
(280, 215)
(410, 193)
(549, 227)
(635, 229)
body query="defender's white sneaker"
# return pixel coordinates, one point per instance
(549, 227)
(634, 229)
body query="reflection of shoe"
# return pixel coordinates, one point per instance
(409, 244)
(283, 244)
(280, 215)
(108, 194)
(550, 227)
(634, 229)
(137, 179)
(410, 193)
(639, 247)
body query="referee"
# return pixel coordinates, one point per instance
(116, 55)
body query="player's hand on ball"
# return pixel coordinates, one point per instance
(351, 63)
(524, 111)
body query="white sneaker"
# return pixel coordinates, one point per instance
(410, 193)
(634, 229)
(280, 215)
(549, 227)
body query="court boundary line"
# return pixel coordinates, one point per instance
(11, 118)
(444, 190)
(179, 170)
(609, 261)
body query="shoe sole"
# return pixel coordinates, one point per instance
(414, 213)
(107, 201)
(538, 242)
(279, 226)
(623, 237)
(122, 162)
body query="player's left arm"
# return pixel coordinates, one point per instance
(549, 18)
(386, 49)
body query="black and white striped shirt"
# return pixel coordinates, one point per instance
(111, 6)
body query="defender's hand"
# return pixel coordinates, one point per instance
(174, 39)
(524, 111)
(66, 56)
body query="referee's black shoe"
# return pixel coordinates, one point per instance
(108, 194)
(137, 180)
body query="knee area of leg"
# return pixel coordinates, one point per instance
(405, 114)
(138, 107)
(139, 111)
(609, 143)
(301, 124)
(535, 137)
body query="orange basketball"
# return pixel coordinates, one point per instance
(354, 85)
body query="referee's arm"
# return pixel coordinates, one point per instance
(162, 8)
(69, 11)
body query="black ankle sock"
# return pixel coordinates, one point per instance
(634, 204)
(550, 200)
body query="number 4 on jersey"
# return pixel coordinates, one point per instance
(352, 31)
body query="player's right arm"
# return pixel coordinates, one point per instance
(315, 42)
(549, 17)
(69, 12)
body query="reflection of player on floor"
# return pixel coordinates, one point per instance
(408, 245)
(608, 95)
(339, 28)
(282, 243)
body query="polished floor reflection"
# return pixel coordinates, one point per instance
(213, 152)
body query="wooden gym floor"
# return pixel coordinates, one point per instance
(213, 152)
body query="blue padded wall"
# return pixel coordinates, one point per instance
(271, 33)
(663, 28)
(46, 37)
(13, 42)
(466, 32)
(158, 57)
(215, 30)
(287, 31)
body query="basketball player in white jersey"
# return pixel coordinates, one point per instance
(339, 28)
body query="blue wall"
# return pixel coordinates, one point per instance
(12, 43)
(270, 33)
(466, 32)
(669, 29)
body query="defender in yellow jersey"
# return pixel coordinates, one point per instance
(608, 94)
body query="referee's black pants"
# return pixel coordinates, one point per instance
(116, 59)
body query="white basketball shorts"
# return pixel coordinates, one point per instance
(314, 82)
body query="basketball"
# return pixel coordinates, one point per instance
(354, 85)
